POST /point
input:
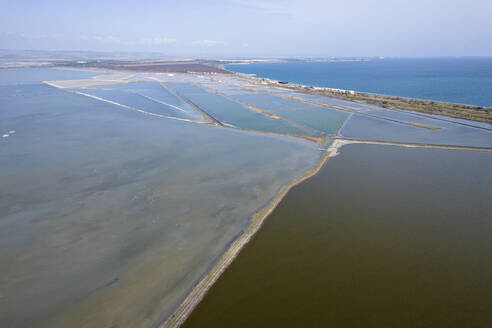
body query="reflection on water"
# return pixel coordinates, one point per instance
(370, 128)
(147, 96)
(272, 102)
(109, 217)
(382, 237)
(236, 114)
(327, 120)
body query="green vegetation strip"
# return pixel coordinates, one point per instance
(467, 112)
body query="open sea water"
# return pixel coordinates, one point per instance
(458, 80)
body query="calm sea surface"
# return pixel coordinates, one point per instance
(460, 80)
(380, 237)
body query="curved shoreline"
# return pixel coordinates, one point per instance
(201, 289)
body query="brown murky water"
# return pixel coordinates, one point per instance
(381, 237)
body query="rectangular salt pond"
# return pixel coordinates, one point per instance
(227, 89)
(109, 217)
(369, 128)
(134, 100)
(337, 102)
(157, 91)
(406, 116)
(325, 99)
(320, 118)
(232, 113)
(436, 120)
(327, 120)
(274, 103)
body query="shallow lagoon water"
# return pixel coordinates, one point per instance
(233, 113)
(274, 103)
(406, 116)
(458, 120)
(435, 120)
(156, 91)
(227, 89)
(134, 100)
(382, 236)
(109, 217)
(335, 101)
(17, 76)
(320, 118)
(362, 127)
(327, 120)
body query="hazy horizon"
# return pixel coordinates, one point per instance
(240, 28)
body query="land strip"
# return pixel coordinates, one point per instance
(410, 144)
(123, 106)
(197, 294)
(152, 66)
(318, 140)
(263, 111)
(467, 112)
(201, 289)
(205, 113)
(161, 102)
(347, 109)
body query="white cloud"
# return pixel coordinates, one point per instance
(208, 43)
(159, 41)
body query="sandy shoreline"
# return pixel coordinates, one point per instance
(201, 289)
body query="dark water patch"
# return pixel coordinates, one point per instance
(381, 237)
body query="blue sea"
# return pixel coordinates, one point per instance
(458, 80)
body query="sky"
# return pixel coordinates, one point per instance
(242, 28)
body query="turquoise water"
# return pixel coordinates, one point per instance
(459, 80)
